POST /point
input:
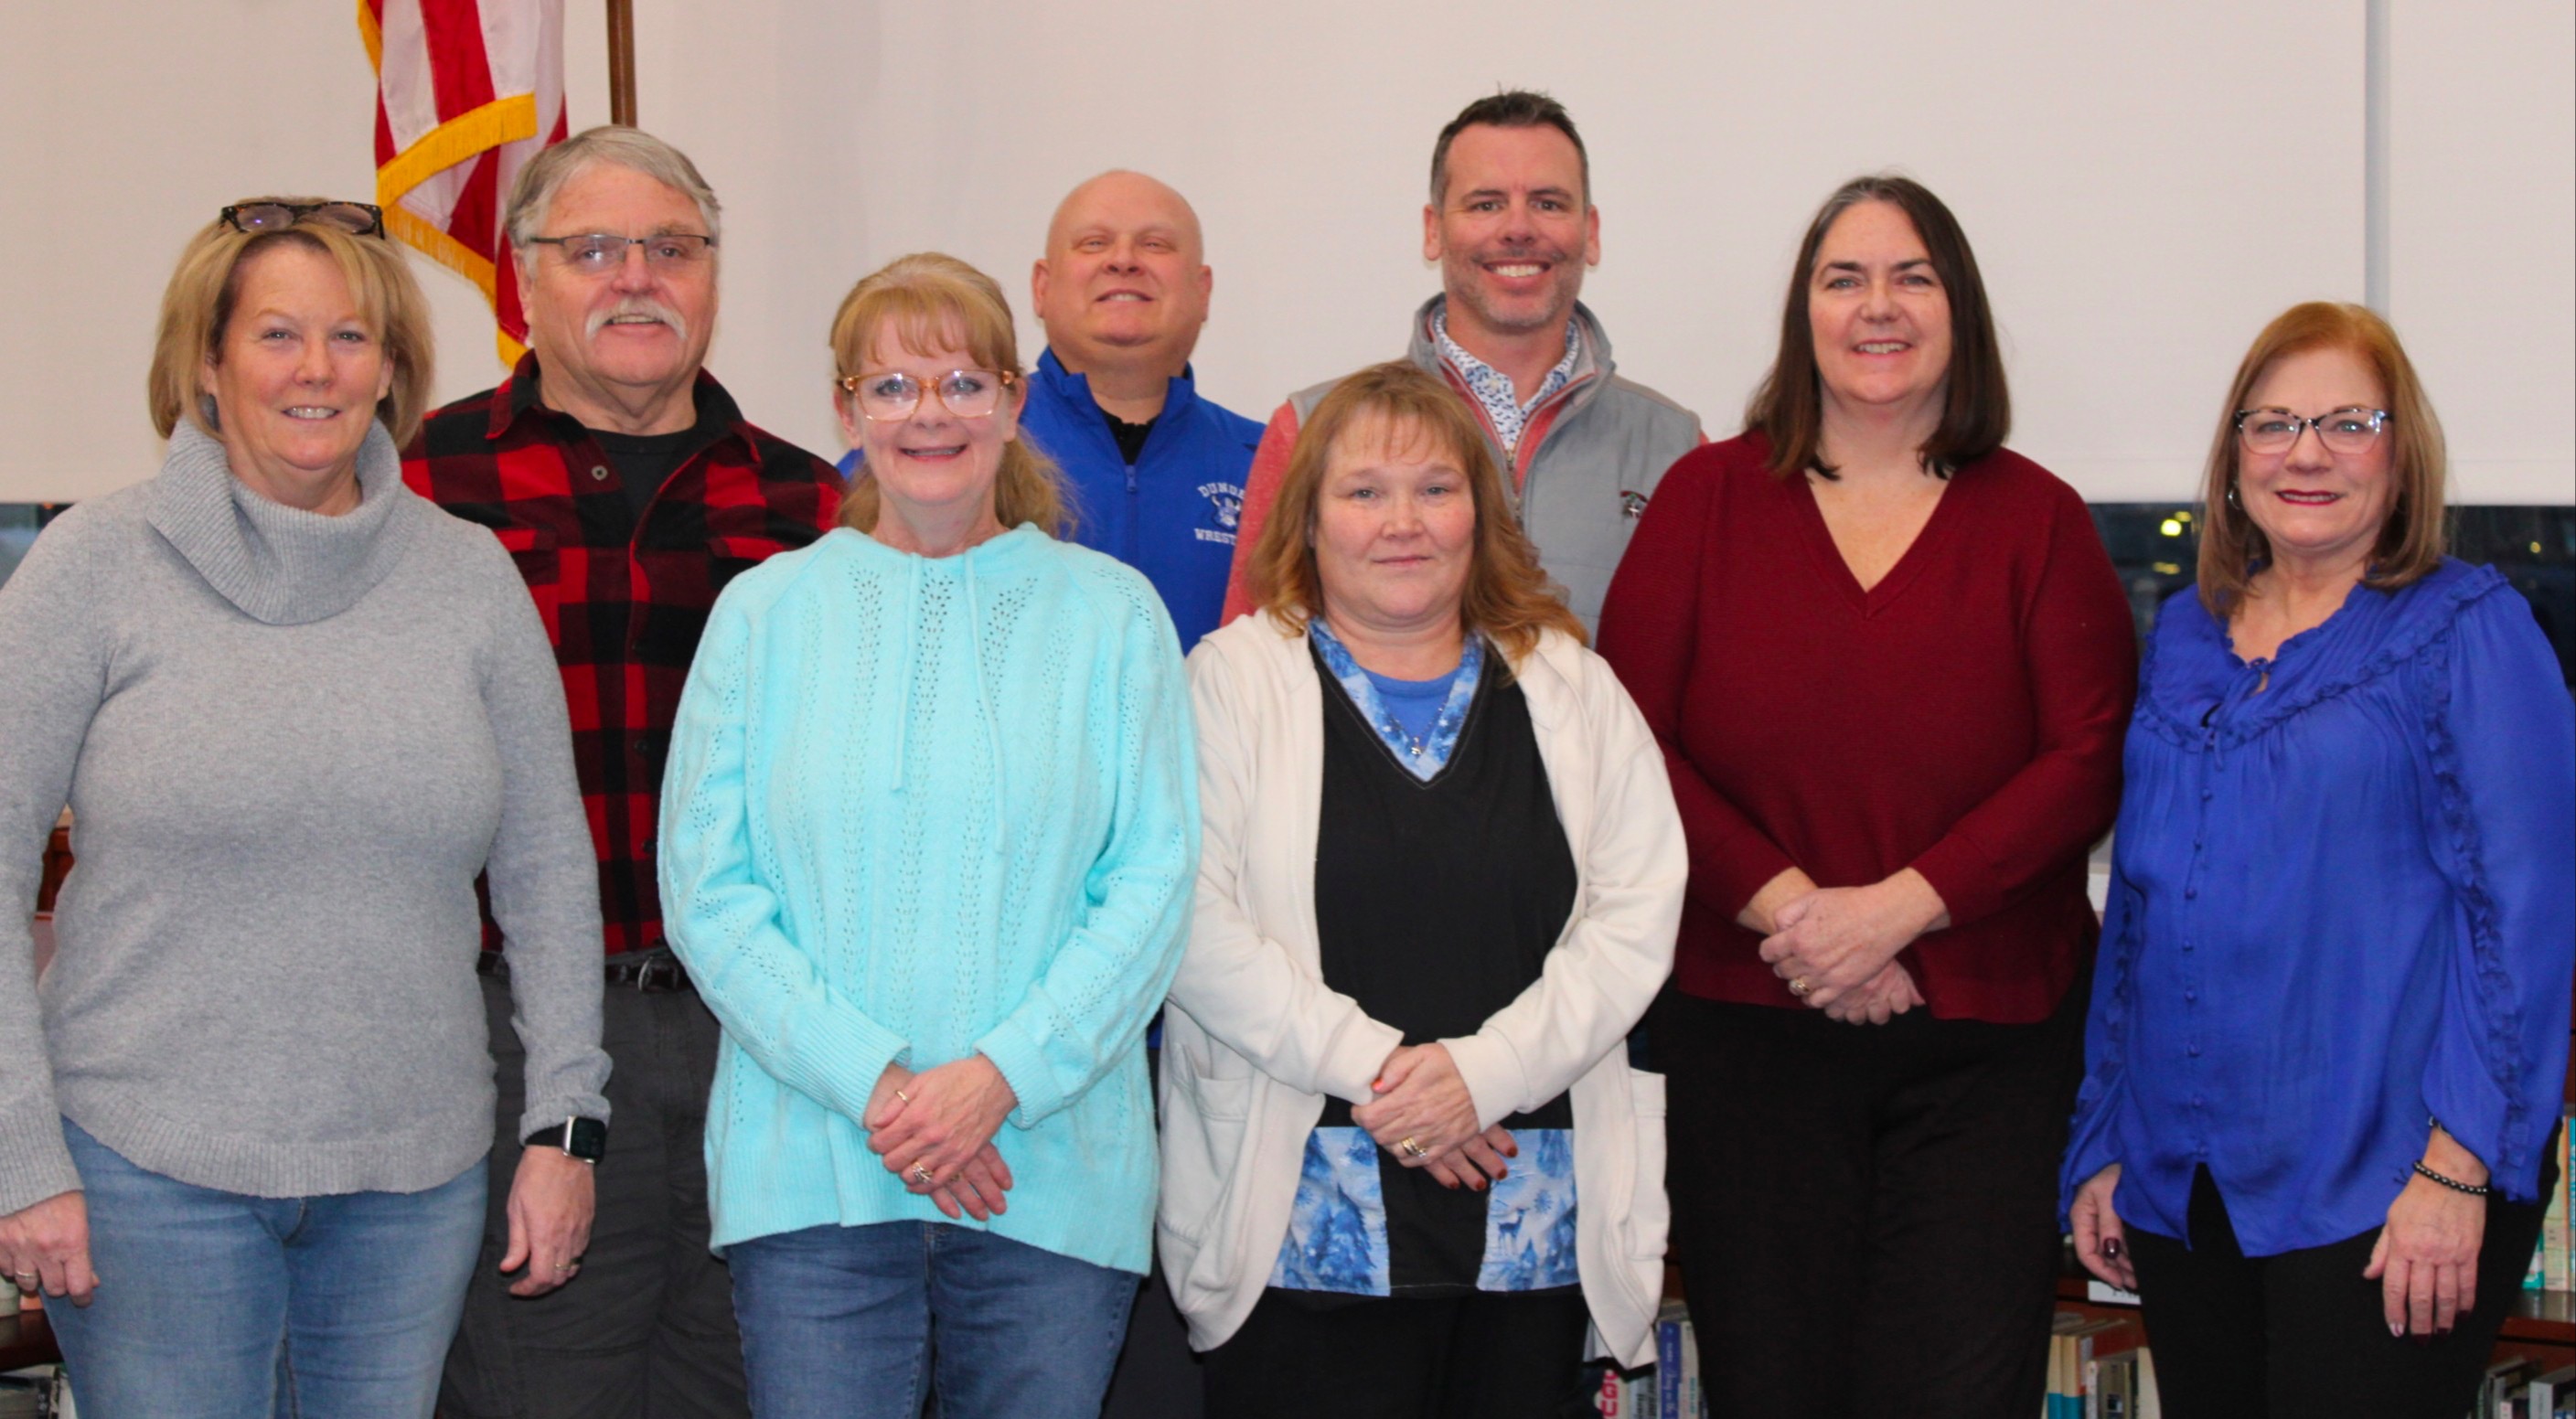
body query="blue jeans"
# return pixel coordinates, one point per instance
(218, 1305)
(843, 1321)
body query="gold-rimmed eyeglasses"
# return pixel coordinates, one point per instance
(891, 396)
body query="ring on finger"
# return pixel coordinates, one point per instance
(1413, 1147)
(922, 1171)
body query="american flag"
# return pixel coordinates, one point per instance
(466, 92)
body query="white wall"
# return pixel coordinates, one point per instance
(2145, 185)
(2482, 234)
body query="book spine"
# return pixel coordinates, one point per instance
(1668, 1365)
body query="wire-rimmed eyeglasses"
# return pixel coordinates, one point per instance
(2351, 429)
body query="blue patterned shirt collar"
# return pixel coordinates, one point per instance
(1422, 758)
(1493, 388)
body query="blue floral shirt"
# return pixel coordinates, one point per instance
(1337, 1229)
(1422, 752)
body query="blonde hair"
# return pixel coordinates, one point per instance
(919, 301)
(198, 306)
(1507, 598)
(2414, 539)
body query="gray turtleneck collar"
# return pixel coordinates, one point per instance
(282, 565)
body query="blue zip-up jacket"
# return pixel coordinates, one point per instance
(1171, 516)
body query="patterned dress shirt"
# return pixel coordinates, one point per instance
(1493, 388)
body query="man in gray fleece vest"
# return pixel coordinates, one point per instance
(1512, 224)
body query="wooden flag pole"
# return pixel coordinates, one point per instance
(621, 62)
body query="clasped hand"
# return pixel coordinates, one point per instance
(1423, 1114)
(1841, 943)
(935, 1131)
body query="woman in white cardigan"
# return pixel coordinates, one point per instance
(1407, 1167)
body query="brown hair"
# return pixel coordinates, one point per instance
(1507, 598)
(1508, 108)
(197, 308)
(1976, 414)
(2413, 541)
(919, 300)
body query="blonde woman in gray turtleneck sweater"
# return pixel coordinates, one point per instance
(296, 710)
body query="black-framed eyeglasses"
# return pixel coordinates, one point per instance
(355, 218)
(2351, 429)
(891, 396)
(598, 253)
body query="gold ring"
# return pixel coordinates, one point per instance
(907, 1098)
(922, 1171)
(1799, 987)
(1410, 1145)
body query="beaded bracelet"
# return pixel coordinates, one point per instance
(2454, 1184)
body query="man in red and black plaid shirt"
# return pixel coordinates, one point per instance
(629, 489)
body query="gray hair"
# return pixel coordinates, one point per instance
(532, 197)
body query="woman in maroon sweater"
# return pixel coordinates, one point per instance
(1890, 667)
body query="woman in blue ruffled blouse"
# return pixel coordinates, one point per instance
(2330, 1022)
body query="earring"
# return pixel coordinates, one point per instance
(2231, 497)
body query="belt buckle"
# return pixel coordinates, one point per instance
(659, 972)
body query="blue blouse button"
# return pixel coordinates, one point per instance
(2190, 893)
(2191, 996)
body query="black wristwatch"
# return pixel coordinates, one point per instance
(583, 1138)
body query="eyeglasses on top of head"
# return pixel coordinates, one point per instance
(892, 396)
(2351, 429)
(355, 218)
(598, 253)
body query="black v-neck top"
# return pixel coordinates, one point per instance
(1436, 904)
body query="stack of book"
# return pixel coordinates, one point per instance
(2519, 1389)
(2097, 1370)
(1666, 1389)
(2549, 1261)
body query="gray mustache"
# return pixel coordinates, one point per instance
(655, 309)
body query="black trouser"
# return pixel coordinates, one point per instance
(1866, 1215)
(2301, 1333)
(1487, 1355)
(647, 1328)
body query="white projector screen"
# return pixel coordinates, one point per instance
(2145, 185)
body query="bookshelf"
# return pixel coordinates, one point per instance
(2542, 1320)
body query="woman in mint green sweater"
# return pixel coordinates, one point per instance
(929, 833)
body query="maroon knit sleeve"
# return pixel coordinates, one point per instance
(2080, 658)
(1651, 633)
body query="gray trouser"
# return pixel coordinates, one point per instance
(647, 1328)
